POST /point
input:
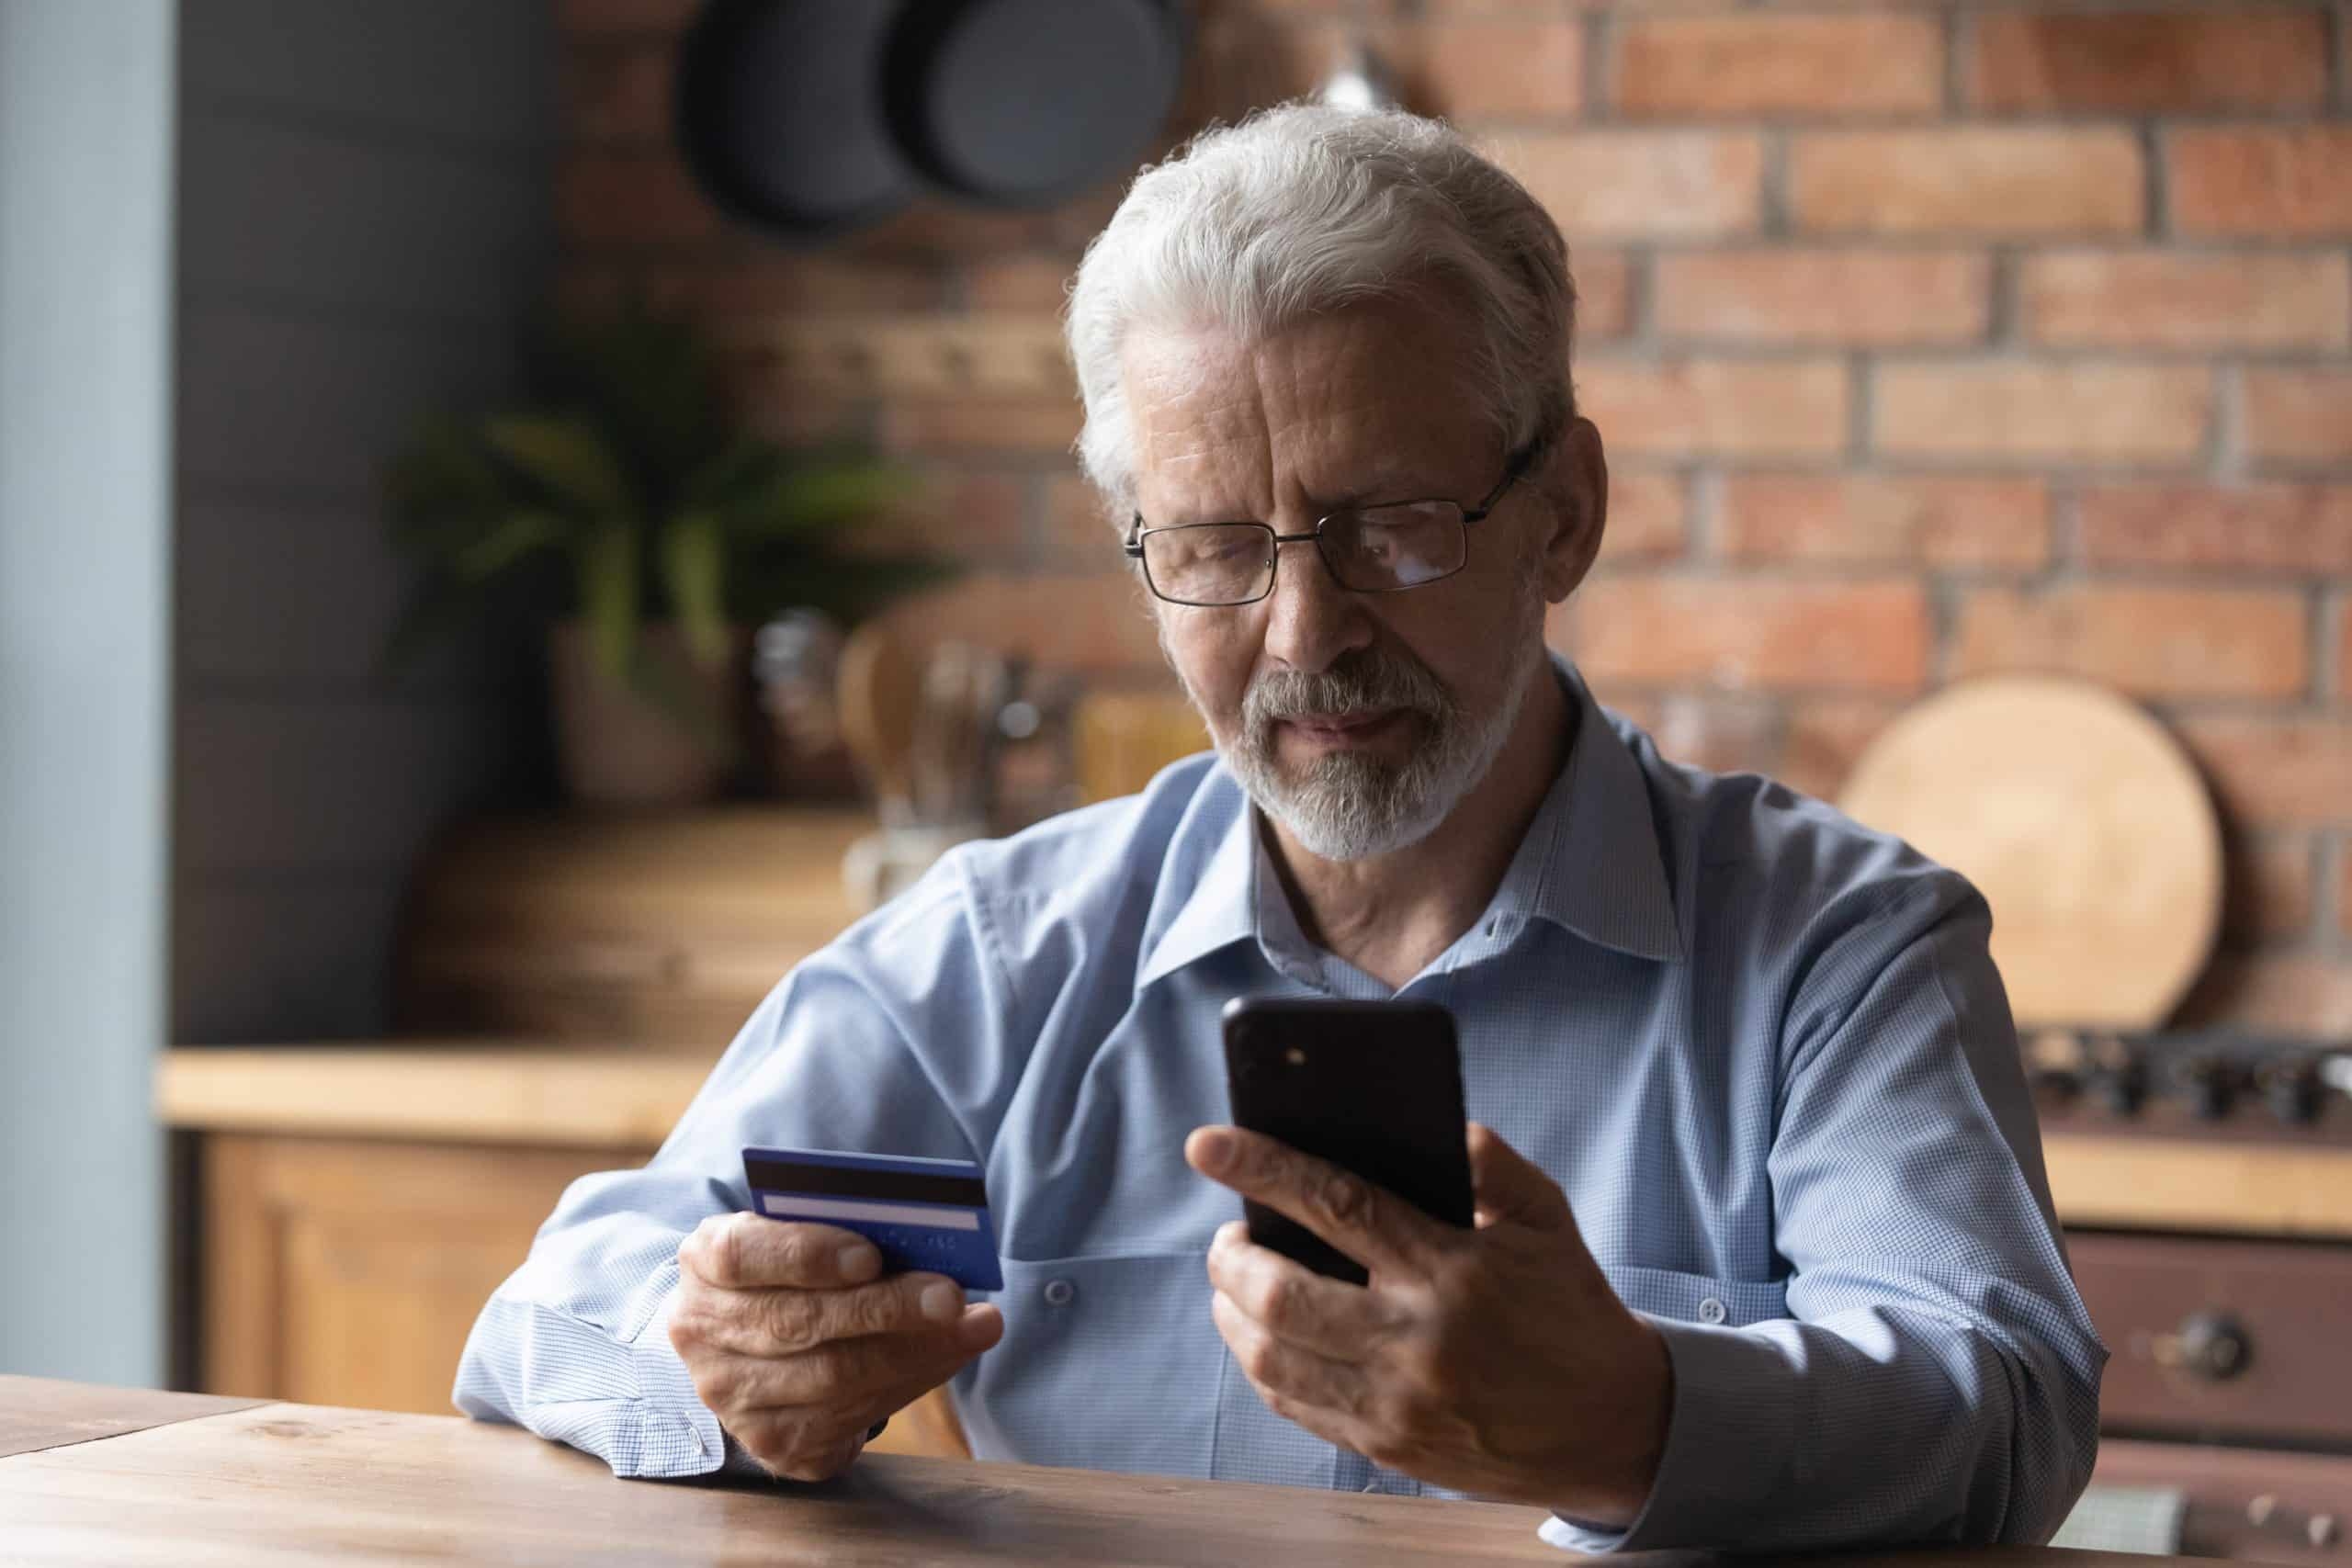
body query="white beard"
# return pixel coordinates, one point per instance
(1349, 806)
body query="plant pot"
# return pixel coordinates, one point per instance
(617, 747)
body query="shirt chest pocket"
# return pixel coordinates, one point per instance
(1109, 1363)
(1699, 1298)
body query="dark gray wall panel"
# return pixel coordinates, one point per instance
(277, 403)
(477, 71)
(279, 960)
(324, 222)
(296, 785)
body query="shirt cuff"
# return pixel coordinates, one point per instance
(675, 1433)
(1725, 1457)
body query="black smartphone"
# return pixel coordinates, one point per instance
(1374, 1086)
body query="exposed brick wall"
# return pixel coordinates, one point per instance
(1927, 339)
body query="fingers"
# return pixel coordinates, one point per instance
(842, 1377)
(1326, 1397)
(1510, 1186)
(1346, 1323)
(784, 1321)
(742, 1250)
(1378, 1229)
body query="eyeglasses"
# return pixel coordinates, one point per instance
(1369, 549)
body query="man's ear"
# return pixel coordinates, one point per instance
(1577, 483)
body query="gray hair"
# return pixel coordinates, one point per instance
(1303, 209)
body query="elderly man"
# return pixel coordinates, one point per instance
(1764, 1255)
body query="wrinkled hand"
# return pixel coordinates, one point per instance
(798, 1348)
(1495, 1360)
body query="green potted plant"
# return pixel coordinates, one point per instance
(666, 531)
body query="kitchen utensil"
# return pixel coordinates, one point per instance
(881, 694)
(1025, 103)
(2082, 822)
(780, 114)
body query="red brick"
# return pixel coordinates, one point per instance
(1480, 65)
(1717, 407)
(617, 97)
(1649, 516)
(1920, 520)
(1096, 623)
(982, 423)
(2299, 415)
(777, 283)
(2344, 892)
(623, 16)
(1604, 282)
(1722, 735)
(2276, 772)
(2155, 642)
(1825, 295)
(938, 230)
(1973, 180)
(1825, 737)
(2279, 994)
(1018, 283)
(2259, 527)
(1494, 63)
(1722, 66)
(1076, 526)
(971, 516)
(1745, 632)
(1619, 185)
(630, 199)
(2269, 890)
(2042, 413)
(2148, 61)
(2344, 675)
(2167, 300)
(2261, 182)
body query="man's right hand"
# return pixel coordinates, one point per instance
(799, 1348)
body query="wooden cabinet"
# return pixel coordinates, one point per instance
(337, 1272)
(352, 1208)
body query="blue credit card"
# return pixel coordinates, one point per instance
(927, 1214)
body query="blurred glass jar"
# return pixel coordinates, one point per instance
(796, 660)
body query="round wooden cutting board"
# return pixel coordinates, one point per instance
(2083, 823)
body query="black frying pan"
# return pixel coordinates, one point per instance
(1023, 103)
(780, 113)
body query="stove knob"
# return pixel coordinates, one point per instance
(2290, 1086)
(2121, 1086)
(2212, 1347)
(2208, 1083)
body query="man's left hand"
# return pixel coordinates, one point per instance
(1494, 1361)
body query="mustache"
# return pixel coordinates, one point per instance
(1358, 681)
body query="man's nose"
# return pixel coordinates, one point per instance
(1310, 619)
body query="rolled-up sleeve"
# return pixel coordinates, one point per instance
(1936, 1379)
(575, 1344)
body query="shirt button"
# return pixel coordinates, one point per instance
(1060, 1292)
(1712, 1310)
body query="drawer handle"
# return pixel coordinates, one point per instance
(2210, 1346)
(2319, 1531)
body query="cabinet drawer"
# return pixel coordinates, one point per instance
(2244, 1503)
(2249, 1341)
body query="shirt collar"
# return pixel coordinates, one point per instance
(1590, 861)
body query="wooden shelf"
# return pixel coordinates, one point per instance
(483, 1093)
(469, 1092)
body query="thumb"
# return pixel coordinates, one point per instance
(1508, 1186)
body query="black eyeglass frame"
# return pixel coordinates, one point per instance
(1513, 473)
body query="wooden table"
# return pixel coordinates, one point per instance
(187, 1480)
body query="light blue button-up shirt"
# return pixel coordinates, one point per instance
(1763, 1051)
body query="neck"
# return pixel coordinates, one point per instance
(1390, 915)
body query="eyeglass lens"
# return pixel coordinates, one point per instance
(1377, 549)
